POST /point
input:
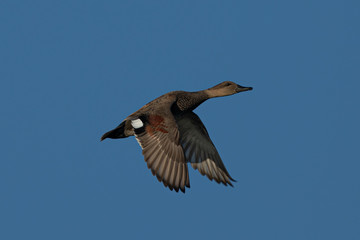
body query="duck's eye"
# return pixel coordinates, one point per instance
(227, 84)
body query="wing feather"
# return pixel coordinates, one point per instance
(199, 149)
(159, 139)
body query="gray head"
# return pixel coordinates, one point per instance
(225, 89)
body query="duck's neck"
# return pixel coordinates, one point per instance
(191, 100)
(212, 93)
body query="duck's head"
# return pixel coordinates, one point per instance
(225, 89)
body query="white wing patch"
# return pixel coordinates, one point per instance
(137, 123)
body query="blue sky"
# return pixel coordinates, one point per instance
(72, 70)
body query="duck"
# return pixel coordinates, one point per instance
(171, 135)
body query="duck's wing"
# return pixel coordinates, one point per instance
(158, 136)
(199, 150)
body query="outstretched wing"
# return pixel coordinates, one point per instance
(158, 136)
(199, 149)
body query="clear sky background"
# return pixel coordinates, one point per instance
(72, 70)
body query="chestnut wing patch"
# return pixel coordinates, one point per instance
(159, 139)
(199, 150)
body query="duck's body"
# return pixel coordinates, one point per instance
(171, 135)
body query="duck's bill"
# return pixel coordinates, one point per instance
(242, 89)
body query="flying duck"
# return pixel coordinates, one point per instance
(172, 135)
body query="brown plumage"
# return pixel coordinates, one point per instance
(171, 135)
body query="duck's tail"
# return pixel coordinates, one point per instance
(118, 132)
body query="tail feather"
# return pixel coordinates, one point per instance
(118, 132)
